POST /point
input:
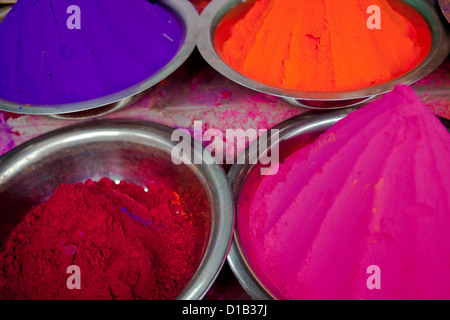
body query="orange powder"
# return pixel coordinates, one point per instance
(322, 45)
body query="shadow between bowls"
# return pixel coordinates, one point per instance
(187, 16)
(217, 9)
(135, 151)
(245, 178)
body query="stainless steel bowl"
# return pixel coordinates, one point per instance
(217, 9)
(293, 134)
(187, 16)
(134, 151)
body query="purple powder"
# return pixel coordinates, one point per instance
(120, 44)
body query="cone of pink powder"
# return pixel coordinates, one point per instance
(361, 213)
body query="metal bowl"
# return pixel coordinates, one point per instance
(445, 7)
(294, 133)
(187, 16)
(133, 151)
(217, 9)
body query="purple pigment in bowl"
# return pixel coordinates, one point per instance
(120, 44)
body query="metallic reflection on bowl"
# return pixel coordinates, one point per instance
(217, 9)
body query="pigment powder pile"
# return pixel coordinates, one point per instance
(119, 45)
(370, 191)
(322, 45)
(129, 243)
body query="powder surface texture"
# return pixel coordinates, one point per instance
(370, 191)
(323, 45)
(128, 244)
(120, 44)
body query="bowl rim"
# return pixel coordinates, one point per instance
(184, 11)
(310, 122)
(217, 9)
(212, 177)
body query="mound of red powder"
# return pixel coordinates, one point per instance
(119, 44)
(129, 243)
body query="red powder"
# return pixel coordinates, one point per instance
(128, 244)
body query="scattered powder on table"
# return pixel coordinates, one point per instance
(128, 243)
(372, 190)
(322, 45)
(120, 44)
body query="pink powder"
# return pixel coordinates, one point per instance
(372, 190)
